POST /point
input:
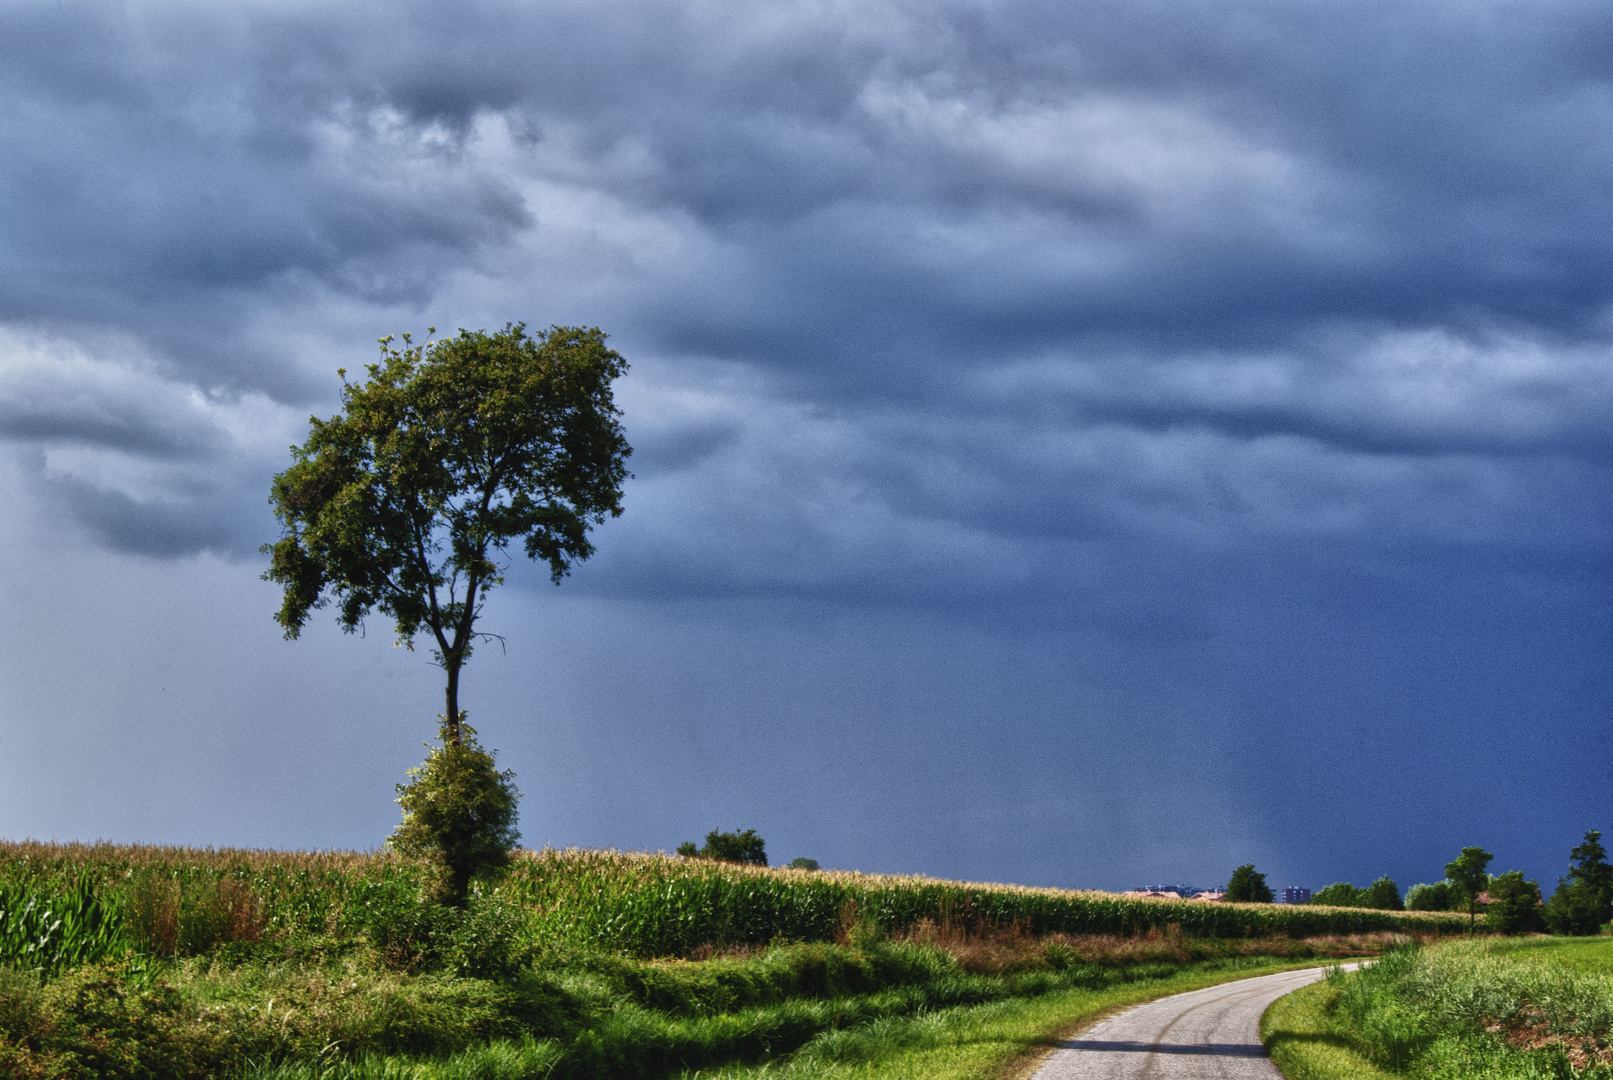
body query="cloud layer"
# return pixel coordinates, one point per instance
(1147, 320)
(1015, 273)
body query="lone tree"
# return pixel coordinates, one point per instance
(1248, 886)
(407, 501)
(1469, 876)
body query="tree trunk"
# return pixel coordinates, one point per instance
(451, 717)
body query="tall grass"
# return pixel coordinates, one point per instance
(1482, 1008)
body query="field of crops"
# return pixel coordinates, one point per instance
(63, 904)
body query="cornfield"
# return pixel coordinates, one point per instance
(69, 904)
(653, 905)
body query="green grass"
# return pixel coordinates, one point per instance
(1592, 956)
(1300, 1035)
(975, 1043)
(1501, 1009)
(971, 1042)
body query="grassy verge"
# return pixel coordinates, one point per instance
(344, 1013)
(1300, 1035)
(1001, 1039)
(1502, 1009)
(1004, 1040)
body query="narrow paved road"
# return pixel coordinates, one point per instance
(1213, 1034)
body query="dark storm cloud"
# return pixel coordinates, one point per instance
(1000, 278)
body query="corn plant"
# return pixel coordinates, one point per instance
(47, 931)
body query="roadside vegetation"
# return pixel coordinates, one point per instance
(1515, 1006)
(158, 962)
(1494, 1008)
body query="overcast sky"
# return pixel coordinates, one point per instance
(1078, 444)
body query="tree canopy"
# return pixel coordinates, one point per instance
(1469, 875)
(1383, 894)
(741, 847)
(1249, 886)
(1584, 900)
(450, 451)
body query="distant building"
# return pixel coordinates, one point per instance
(1151, 894)
(1180, 890)
(1296, 895)
(1210, 894)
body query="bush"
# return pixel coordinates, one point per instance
(485, 940)
(458, 811)
(1514, 904)
(1435, 897)
(801, 862)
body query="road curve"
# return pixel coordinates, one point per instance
(1209, 1034)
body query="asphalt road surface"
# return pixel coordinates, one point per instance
(1210, 1034)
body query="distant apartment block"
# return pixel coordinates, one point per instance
(1296, 895)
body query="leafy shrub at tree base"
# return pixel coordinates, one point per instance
(458, 811)
(1575, 909)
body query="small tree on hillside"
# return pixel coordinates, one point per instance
(1248, 886)
(407, 501)
(1469, 875)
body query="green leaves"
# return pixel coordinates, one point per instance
(458, 810)
(1469, 875)
(447, 453)
(51, 929)
(1248, 885)
(408, 500)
